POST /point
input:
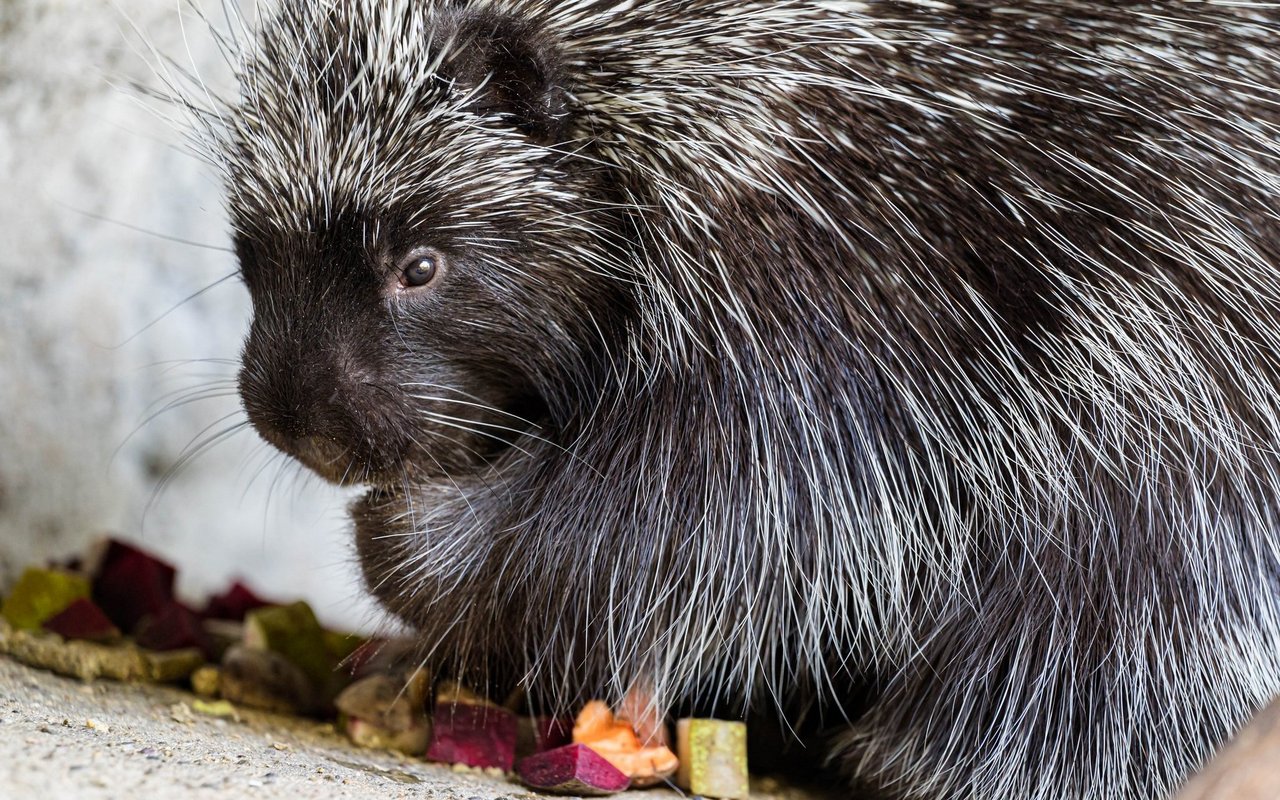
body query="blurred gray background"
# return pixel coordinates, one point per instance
(107, 223)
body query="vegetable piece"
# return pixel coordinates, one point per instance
(385, 701)
(713, 758)
(638, 710)
(377, 654)
(552, 732)
(293, 632)
(131, 584)
(205, 681)
(540, 734)
(411, 740)
(89, 660)
(214, 708)
(366, 659)
(82, 620)
(172, 666)
(41, 594)
(267, 680)
(342, 646)
(618, 743)
(451, 692)
(233, 604)
(172, 627)
(222, 634)
(572, 769)
(473, 734)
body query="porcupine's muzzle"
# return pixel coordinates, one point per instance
(315, 396)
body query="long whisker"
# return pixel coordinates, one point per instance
(202, 444)
(175, 307)
(479, 475)
(472, 401)
(193, 395)
(464, 425)
(273, 457)
(454, 422)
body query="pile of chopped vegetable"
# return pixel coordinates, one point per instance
(121, 620)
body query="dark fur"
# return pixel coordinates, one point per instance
(839, 377)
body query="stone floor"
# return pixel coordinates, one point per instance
(61, 738)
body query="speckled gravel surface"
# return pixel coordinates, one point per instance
(60, 738)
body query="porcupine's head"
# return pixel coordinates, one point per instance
(422, 285)
(429, 262)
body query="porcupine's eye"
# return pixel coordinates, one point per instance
(419, 268)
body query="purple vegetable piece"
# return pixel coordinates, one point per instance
(172, 628)
(551, 732)
(572, 769)
(234, 603)
(473, 734)
(131, 584)
(540, 734)
(82, 620)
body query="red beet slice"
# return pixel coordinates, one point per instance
(540, 734)
(172, 628)
(573, 769)
(234, 603)
(550, 733)
(82, 620)
(474, 735)
(131, 584)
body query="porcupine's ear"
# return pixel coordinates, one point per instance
(518, 72)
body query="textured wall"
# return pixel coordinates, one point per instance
(94, 191)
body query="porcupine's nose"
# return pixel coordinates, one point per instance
(314, 398)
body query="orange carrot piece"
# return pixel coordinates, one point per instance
(618, 744)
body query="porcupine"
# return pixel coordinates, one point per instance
(756, 350)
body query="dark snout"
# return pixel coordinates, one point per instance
(365, 386)
(317, 393)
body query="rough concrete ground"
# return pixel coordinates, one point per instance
(63, 739)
